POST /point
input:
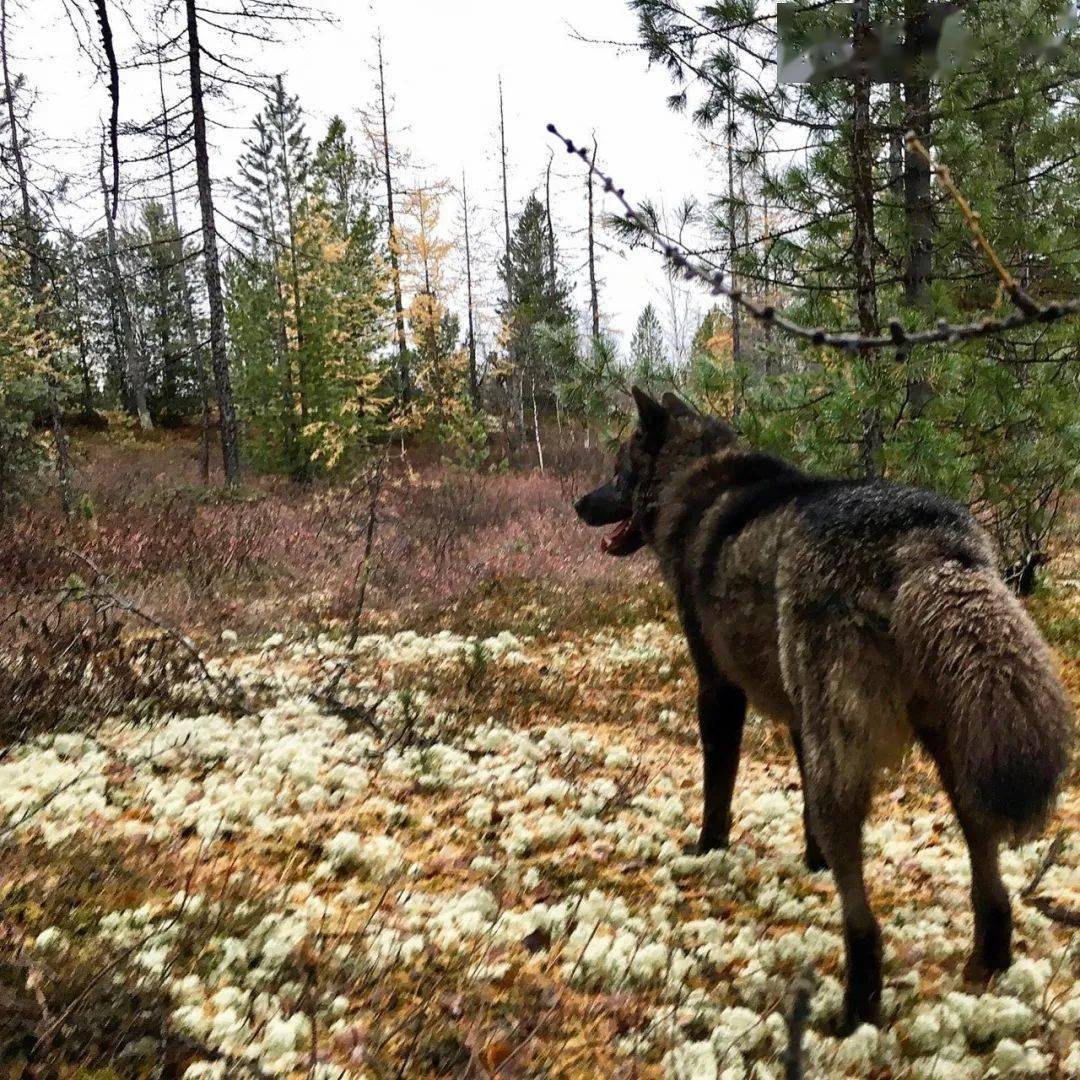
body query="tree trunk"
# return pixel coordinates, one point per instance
(80, 341)
(918, 208)
(918, 205)
(517, 376)
(550, 220)
(474, 386)
(736, 323)
(191, 333)
(536, 425)
(134, 365)
(288, 389)
(31, 244)
(896, 139)
(862, 162)
(230, 452)
(395, 272)
(506, 201)
(304, 472)
(594, 295)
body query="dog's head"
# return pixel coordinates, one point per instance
(669, 436)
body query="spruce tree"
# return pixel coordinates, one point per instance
(649, 366)
(536, 319)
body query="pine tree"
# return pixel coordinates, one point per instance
(865, 238)
(307, 302)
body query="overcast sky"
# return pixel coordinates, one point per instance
(444, 60)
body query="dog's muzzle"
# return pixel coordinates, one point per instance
(604, 506)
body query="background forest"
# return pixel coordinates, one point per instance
(329, 743)
(328, 295)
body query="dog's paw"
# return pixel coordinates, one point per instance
(705, 844)
(978, 971)
(852, 1017)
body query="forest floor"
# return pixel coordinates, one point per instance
(456, 845)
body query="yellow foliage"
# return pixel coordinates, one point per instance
(23, 347)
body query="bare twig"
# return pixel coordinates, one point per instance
(796, 1025)
(1050, 908)
(1057, 845)
(101, 590)
(898, 337)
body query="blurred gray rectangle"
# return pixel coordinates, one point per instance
(815, 44)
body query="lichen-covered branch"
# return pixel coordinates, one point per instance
(898, 336)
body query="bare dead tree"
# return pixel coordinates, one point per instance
(230, 450)
(594, 295)
(102, 12)
(134, 359)
(392, 239)
(474, 385)
(506, 197)
(548, 216)
(190, 329)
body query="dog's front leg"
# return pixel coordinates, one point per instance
(721, 714)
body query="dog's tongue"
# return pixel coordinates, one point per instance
(617, 535)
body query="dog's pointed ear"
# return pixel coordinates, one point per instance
(651, 415)
(677, 407)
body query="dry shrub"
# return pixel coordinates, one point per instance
(445, 534)
(278, 553)
(76, 659)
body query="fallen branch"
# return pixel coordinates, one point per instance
(1043, 904)
(103, 597)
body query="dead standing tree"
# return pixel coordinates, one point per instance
(392, 242)
(230, 451)
(190, 327)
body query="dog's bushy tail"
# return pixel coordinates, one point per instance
(1008, 721)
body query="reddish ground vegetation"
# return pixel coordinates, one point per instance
(205, 558)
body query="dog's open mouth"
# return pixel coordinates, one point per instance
(624, 539)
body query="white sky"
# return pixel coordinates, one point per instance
(443, 63)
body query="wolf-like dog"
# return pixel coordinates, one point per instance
(862, 614)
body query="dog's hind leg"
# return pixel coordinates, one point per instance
(992, 951)
(813, 857)
(845, 695)
(838, 820)
(721, 715)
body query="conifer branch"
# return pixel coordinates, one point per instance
(973, 221)
(897, 338)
